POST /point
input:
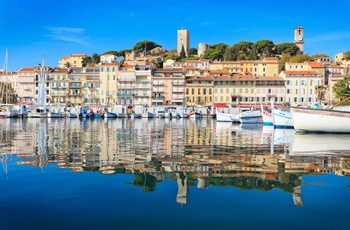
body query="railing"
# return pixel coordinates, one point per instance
(124, 95)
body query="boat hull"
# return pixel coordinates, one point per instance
(251, 117)
(320, 120)
(282, 119)
(223, 117)
(267, 118)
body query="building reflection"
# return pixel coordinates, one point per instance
(193, 152)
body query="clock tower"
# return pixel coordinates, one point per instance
(299, 38)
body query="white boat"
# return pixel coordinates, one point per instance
(221, 116)
(282, 119)
(251, 117)
(320, 144)
(195, 115)
(107, 114)
(147, 114)
(170, 112)
(21, 110)
(134, 115)
(320, 120)
(40, 109)
(72, 112)
(8, 110)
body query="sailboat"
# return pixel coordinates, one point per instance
(7, 110)
(40, 109)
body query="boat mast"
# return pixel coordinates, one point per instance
(6, 78)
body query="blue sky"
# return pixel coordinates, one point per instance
(30, 29)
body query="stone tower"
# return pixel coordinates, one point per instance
(299, 38)
(183, 39)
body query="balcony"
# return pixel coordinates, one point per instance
(75, 85)
(124, 95)
(144, 85)
(76, 94)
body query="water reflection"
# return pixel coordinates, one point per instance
(200, 153)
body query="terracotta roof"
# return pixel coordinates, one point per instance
(187, 61)
(204, 78)
(26, 70)
(168, 70)
(225, 71)
(315, 65)
(269, 78)
(127, 66)
(78, 55)
(299, 72)
(110, 64)
(65, 57)
(190, 67)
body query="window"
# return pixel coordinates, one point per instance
(221, 90)
(199, 91)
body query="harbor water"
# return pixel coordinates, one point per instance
(93, 174)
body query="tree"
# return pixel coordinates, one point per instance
(67, 64)
(243, 50)
(182, 53)
(86, 61)
(192, 52)
(317, 56)
(145, 46)
(347, 56)
(300, 58)
(285, 58)
(95, 58)
(263, 48)
(341, 88)
(320, 90)
(287, 48)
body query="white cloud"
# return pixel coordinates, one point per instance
(67, 34)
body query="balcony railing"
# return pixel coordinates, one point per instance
(124, 95)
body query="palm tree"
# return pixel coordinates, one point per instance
(67, 64)
(320, 90)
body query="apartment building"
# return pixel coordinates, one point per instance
(107, 92)
(199, 91)
(26, 85)
(301, 86)
(74, 60)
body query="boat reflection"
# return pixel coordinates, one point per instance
(199, 153)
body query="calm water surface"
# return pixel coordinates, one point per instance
(170, 174)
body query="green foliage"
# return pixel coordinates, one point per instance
(263, 48)
(95, 58)
(317, 56)
(300, 58)
(67, 64)
(287, 48)
(190, 58)
(216, 52)
(347, 56)
(192, 52)
(341, 88)
(182, 53)
(145, 181)
(285, 58)
(86, 61)
(148, 45)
